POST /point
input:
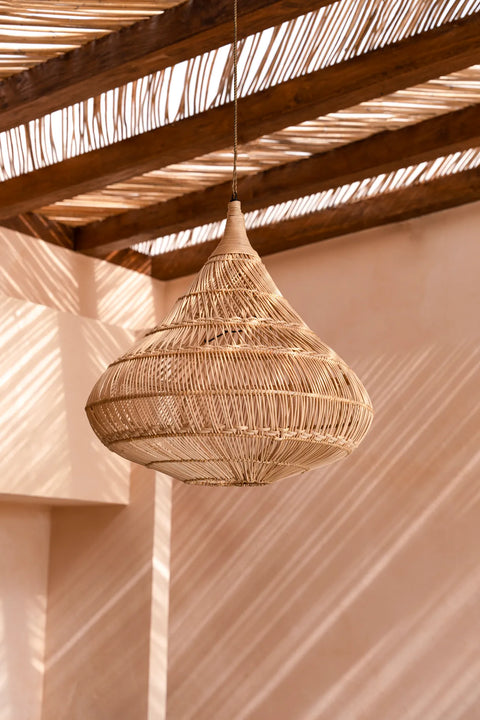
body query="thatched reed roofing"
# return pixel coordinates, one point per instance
(320, 39)
(32, 32)
(328, 36)
(389, 112)
(350, 193)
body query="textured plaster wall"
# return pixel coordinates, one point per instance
(24, 540)
(52, 276)
(99, 581)
(49, 360)
(107, 607)
(63, 318)
(351, 593)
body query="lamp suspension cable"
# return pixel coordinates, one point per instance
(235, 104)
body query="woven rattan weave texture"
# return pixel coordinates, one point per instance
(232, 388)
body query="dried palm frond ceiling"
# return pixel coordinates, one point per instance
(116, 122)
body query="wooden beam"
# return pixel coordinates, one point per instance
(371, 75)
(132, 260)
(182, 32)
(382, 152)
(41, 227)
(396, 206)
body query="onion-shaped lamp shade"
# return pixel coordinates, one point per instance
(233, 388)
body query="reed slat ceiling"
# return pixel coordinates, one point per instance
(153, 44)
(390, 207)
(334, 197)
(300, 51)
(390, 112)
(380, 71)
(314, 41)
(32, 32)
(380, 153)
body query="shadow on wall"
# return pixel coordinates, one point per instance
(63, 318)
(351, 593)
(48, 363)
(36, 271)
(42, 273)
(24, 538)
(99, 624)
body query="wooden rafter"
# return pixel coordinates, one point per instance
(371, 75)
(377, 154)
(41, 227)
(132, 260)
(396, 206)
(182, 32)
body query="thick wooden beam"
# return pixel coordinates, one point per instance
(41, 227)
(374, 74)
(395, 206)
(182, 32)
(377, 154)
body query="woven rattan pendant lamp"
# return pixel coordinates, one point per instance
(232, 388)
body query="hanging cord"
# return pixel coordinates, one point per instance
(235, 103)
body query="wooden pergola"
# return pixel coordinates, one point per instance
(352, 114)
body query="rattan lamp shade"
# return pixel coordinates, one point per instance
(232, 388)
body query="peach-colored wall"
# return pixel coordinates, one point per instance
(49, 361)
(101, 622)
(24, 537)
(352, 592)
(157, 695)
(63, 317)
(48, 275)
